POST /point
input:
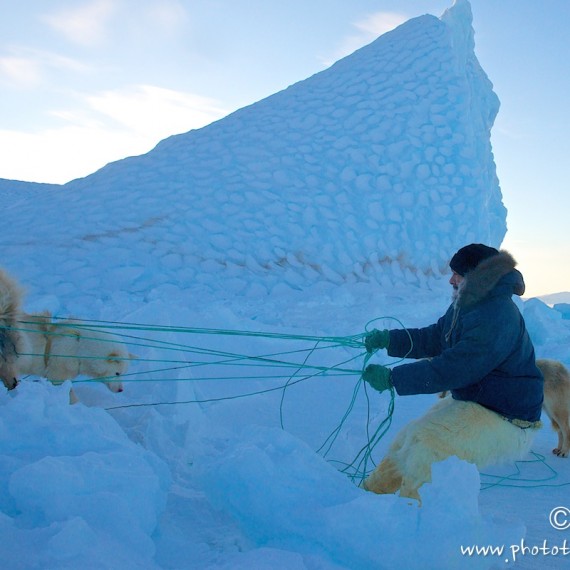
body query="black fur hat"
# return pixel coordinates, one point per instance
(469, 257)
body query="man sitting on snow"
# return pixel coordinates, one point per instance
(481, 352)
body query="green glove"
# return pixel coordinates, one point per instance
(376, 339)
(378, 377)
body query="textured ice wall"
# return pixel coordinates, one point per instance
(376, 169)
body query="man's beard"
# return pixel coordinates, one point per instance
(456, 291)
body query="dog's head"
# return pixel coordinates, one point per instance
(103, 355)
(116, 363)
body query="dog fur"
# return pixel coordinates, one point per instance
(557, 402)
(59, 351)
(12, 342)
(63, 350)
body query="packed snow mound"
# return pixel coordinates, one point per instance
(376, 169)
(73, 486)
(311, 504)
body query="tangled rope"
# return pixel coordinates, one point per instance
(294, 372)
(292, 366)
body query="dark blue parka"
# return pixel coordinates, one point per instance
(480, 349)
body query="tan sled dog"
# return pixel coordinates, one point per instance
(12, 342)
(63, 350)
(557, 402)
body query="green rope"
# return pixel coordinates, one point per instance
(354, 341)
(209, 357)
(363, 462)
(359, 468)
(288, 383)
(517, 481)
(231, 358)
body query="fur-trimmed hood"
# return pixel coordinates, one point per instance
(482, 280)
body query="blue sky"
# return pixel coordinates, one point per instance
(86, 82)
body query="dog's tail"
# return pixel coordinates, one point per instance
(10, 300)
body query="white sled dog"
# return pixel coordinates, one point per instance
(12, 342)
(557, 401)
(59, 351)
(63, 350)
